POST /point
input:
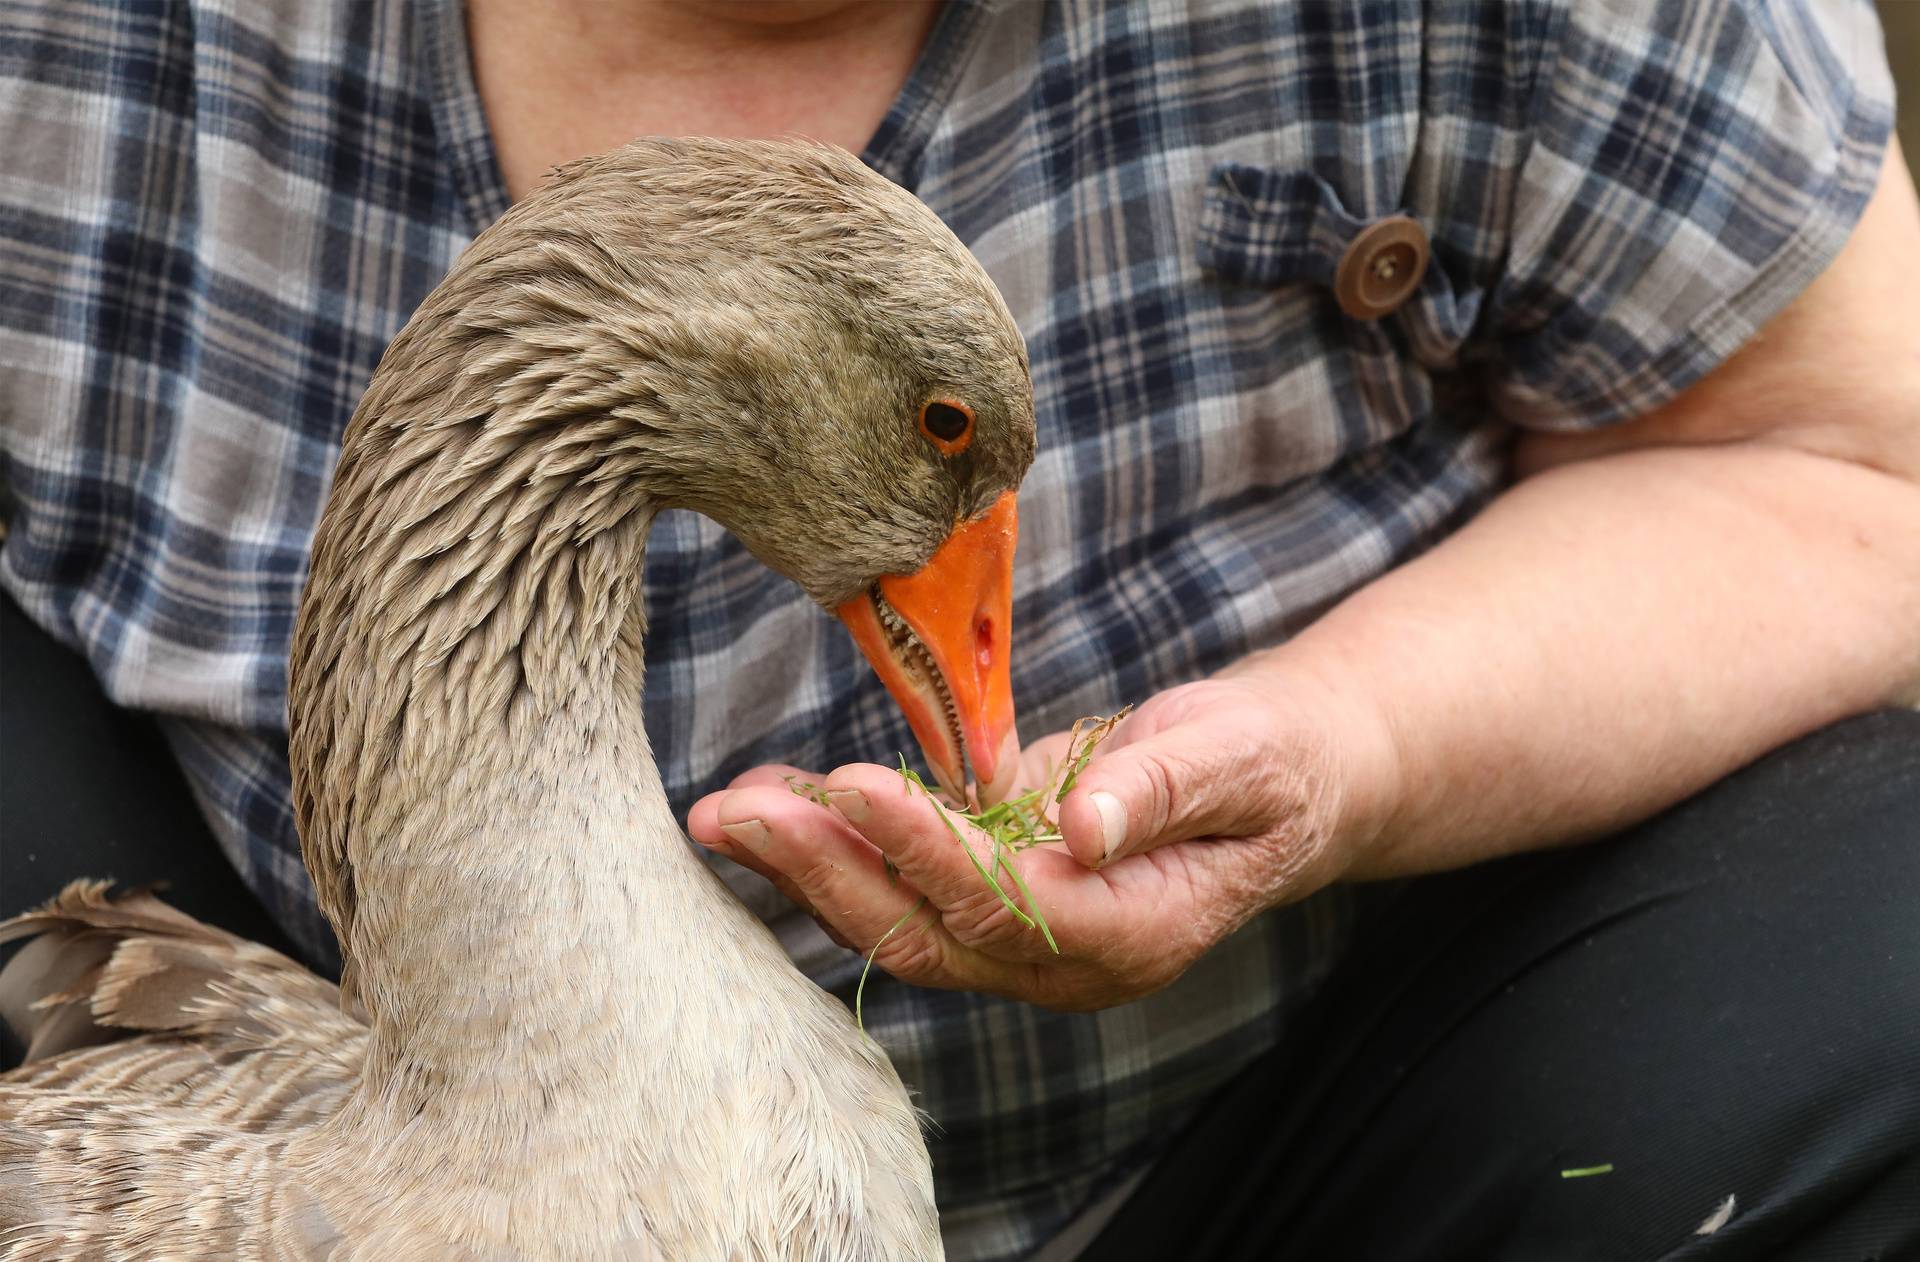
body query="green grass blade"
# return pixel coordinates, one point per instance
(1038, 917)
(860, 991)
(981, 868)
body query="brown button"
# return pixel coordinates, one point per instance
(1381, 267)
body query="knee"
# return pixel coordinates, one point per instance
(1736, 1014)
(1849, 792)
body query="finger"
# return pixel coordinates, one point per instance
(829, 864)
(835, 869)
(703, 824)
(774, 773)
(921, 950)
(1173, 785)
(734, 852)
(928, 843)
(954, 865)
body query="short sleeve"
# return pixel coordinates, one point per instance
(1691, 168)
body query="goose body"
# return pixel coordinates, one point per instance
(557, 1035)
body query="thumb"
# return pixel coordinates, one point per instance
(1172, 786)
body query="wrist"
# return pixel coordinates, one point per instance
(1364, 773)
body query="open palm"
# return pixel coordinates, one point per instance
(1208, 805)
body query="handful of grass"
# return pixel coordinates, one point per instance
(1017, 824)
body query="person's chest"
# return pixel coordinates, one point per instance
(1222, 452)
(564, 81)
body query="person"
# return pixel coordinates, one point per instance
(1464, 432)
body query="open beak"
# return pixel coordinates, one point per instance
(938, 640)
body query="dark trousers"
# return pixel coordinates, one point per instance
(1722, 1002)
(89, 789)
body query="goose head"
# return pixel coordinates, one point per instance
(884, 418)
(774, 336)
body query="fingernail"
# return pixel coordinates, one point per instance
(850, 802)
(749, 832)
(1113, 823)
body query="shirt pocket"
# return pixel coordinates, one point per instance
(1272, 242)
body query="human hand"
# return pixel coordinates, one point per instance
(1213, 802)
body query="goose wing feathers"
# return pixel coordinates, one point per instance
(122, 997)
(165, 1058)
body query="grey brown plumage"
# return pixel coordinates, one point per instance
(557, 1036)
(188, 1010)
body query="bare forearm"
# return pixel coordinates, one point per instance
(1614, 634)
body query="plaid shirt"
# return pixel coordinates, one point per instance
(214, 215)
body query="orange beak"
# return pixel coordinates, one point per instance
(940, 636)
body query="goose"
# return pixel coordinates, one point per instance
(557, 1034)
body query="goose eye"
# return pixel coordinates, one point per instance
(948, 425)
